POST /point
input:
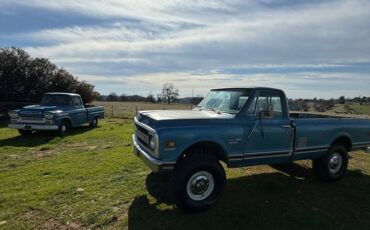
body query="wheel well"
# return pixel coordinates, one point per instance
(67, 120)
(206, 147)
(345, 141)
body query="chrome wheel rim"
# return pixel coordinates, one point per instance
(335, 163)
(64, 128)
(200, 185)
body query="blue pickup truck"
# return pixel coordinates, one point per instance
(241, 127)
(56, 111)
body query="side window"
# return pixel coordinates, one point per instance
(270, 100)
(77, 101)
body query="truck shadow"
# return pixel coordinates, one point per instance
(40, 137)
(286, 199)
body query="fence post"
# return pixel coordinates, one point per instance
(135, 110)
(112, 111)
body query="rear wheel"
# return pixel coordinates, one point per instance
(24, 132)
(63, 128)
(197, 182)
(94, 123)
(333, 165)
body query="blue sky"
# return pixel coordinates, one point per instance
(308, 48)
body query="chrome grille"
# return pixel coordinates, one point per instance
(142, 135)
(31, 120)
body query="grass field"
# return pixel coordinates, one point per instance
(352, 108)
(91, 179)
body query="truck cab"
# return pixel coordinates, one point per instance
(56, 111)
(240, 127)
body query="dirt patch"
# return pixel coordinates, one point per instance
(77, 145)
(36, 215)
(55, 224)
(42, 153)
(31, 217)
(121, 210)
(82, 146)
(88, 147)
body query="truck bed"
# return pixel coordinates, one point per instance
(316, 132)
(94, 111)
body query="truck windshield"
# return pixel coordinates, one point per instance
(228, 101)
(56, 99)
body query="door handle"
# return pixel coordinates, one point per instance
(286, 126)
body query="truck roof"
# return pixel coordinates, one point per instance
(62, 93)
(250, 88)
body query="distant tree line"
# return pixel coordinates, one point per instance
(169, 94)
(323, 105)
(149, 98)
(25, 79)
(359, 99)
(123, 97)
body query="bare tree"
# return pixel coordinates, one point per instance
(169, 93)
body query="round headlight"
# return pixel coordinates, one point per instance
(13, 114)
(151, 142)
(49, 116)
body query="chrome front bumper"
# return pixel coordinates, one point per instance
(154, 164)
(33, 127)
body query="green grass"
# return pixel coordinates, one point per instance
(91, 179)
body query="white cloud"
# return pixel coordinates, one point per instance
(296, 85)
(172, 40)
(301, 35)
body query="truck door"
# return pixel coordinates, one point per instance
(269, 137)
(79, 112)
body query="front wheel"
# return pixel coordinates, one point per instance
(63, 128)
(94, 123)
(333, 165)
(197, 182)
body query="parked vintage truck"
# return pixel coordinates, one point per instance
(241, 127)
(56, 111)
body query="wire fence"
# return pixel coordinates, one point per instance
(128, 110)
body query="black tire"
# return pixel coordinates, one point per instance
(94, 123)
(25, 132)
(327, 168)
(197, 165)
(63, 128)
